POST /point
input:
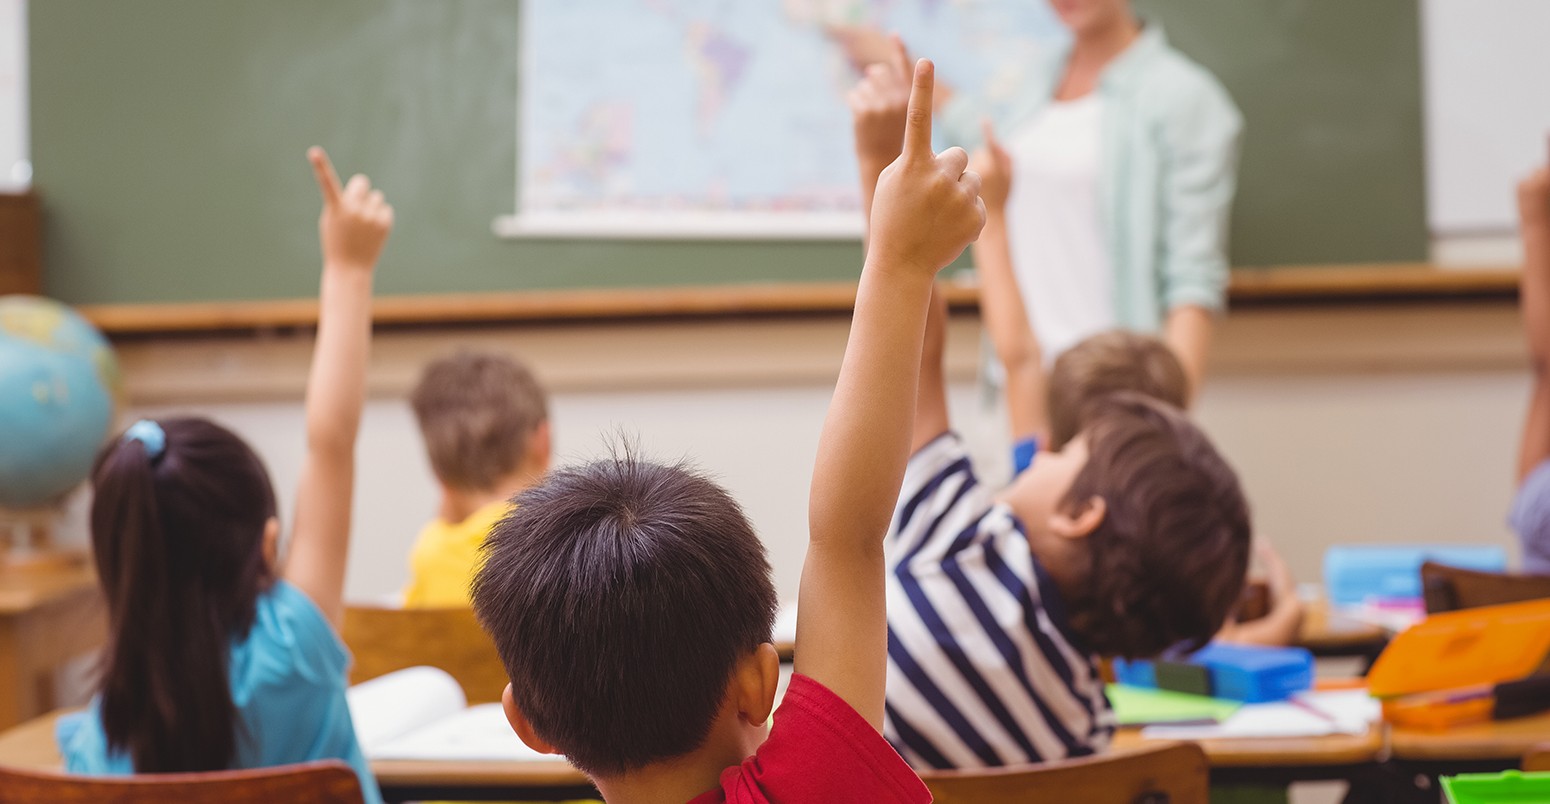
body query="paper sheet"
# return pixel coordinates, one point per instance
(1314, 714)
(479, 734)
(390, 706)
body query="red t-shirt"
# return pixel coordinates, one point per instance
(819, 750)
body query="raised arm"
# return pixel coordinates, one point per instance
(354, 225)
(1001, 300)
(877, 108)
(1200, 139)
(1534, 211)
(927, 210)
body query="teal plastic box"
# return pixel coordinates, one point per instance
(1508, 787)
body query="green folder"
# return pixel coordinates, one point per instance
(1511, 787)
(1143, 706)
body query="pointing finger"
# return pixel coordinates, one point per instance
(917, 125)
(901, 56)
(328, 180)
(988, 129)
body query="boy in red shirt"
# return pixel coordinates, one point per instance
(631, 602)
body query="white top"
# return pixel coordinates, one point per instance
(1054, 223)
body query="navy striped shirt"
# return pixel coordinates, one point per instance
(982, 667)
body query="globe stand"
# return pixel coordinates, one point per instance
(26, 541)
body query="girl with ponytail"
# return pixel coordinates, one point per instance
(219, 656)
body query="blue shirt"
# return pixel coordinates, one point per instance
(288, 678)
(983, 669)
(1530, 519)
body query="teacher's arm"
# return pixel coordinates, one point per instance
(1200, 137)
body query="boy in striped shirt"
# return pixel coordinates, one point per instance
(1132, 539)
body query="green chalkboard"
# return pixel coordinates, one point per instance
(168, 140)
(1332, 161)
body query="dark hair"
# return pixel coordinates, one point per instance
(620, 595)
(178, 540)
(1169, 559)
(1108, 363)
(476, 412)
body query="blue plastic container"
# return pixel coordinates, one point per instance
(1254, 674)
(1357, 573)
(1246, 673)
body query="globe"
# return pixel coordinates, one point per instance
(58, 386)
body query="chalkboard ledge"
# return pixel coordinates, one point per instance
(1290, 285)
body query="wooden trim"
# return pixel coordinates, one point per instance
(793, 351)
(21, 243)
(1295, 284)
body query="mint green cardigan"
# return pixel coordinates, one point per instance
(1169, 163)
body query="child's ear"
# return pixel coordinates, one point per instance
(1079, 521)
(272, 542)
(758, 676)
(541, 447)
(520, 725)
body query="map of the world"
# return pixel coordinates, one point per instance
(706, 118)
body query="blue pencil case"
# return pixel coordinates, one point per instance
(1246, 673)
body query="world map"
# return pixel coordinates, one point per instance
(705, 118)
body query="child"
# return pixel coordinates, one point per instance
(485, 422)
(1130, 540)
(632, 602)
(1099, 365)
(1531, 509)
(218, 658)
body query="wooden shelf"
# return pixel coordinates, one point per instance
(1299, 285)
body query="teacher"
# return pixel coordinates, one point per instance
(1125, 154)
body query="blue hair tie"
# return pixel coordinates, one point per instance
(150, 435)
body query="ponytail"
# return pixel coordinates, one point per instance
(177, 533)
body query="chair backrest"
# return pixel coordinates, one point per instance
(387, 639)
(1538, 758)
(330, 782)
(1173, 773)
(1451, 588)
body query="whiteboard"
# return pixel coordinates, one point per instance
(15, 169)
(1486, 70)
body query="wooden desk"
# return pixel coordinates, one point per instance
(31, 746)
(48, 616)
(1504, 740)
(1326, 633)
(1288, 752)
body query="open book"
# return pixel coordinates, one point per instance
(421, 713)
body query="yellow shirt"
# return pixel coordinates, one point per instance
(445, 557)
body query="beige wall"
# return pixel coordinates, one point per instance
(1346, 423)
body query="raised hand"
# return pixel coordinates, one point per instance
(994, 165)
(1534, 198)
(356, 219)
(878, 104)
(927, 208)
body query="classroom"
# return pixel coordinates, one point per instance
(1188, 362)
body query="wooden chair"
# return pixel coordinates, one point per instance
(388, 639)
(1173, 773)
(330, 782)
(1538, 758)
(1450, 588)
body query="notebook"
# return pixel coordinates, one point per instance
(421, 714)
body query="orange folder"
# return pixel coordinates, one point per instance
(1465, 648)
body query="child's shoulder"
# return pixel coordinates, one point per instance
(290, 642)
